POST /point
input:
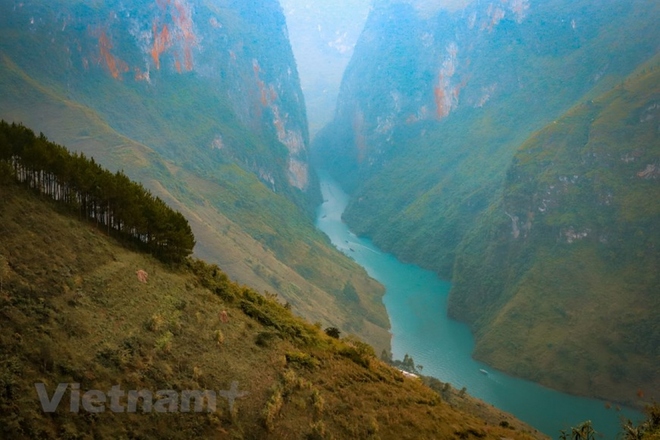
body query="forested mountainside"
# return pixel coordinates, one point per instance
(434, 106)
(83, 311)
(564, 288)
(201, 103)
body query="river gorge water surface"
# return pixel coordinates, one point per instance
(416, 301)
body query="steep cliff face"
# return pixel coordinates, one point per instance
(323, 35)
(434, 103)
(200, 101)
(433, 108)
(212, 72)
(417, 63)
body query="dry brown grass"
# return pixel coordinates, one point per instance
(72, 310)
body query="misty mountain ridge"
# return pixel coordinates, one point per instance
(323, 36)
(149, 47)
(433, 111)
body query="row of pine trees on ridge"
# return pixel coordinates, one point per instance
(122, 207)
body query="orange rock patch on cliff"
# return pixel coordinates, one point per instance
(442, 109)
(178, 33)
(115, 65)
(184, 22)
(161, 43)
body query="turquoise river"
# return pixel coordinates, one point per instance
(416, 301)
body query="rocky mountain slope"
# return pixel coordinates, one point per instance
(201, 102)
(568, 275)
(433, 108)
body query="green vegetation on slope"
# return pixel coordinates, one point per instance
(73, 311)
(563, 269)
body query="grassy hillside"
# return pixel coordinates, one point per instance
(261, 238)
(564, 267)
(73, 311)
